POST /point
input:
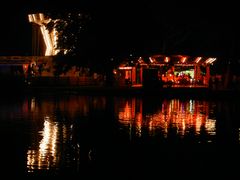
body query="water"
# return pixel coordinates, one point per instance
(127, 137)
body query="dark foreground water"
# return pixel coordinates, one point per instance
(74, 136)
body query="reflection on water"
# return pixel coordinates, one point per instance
(136, 117)
(68, 133)
(46, 155)
(175, 116)
(54, 143)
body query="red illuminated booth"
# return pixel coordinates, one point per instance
(131, 72)
(174, 70)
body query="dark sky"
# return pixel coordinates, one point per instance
(134, 26)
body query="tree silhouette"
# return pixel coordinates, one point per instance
(77, 45)
(75, 42)
(72, 31)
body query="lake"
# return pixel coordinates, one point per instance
(119, 137)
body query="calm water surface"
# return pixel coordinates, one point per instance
(127, 137)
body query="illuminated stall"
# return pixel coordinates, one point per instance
(131, 73)
(176, 70)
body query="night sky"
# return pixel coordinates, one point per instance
(138, 27)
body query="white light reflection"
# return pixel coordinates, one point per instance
(45, 156)
(198, 124)
(139, 125)
(211, 126)
(33, 104)
(191, 105)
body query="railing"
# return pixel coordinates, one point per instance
(23, 59)
(64, 81)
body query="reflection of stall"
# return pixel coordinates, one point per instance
(172, 116)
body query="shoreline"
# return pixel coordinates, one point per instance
(180, 92)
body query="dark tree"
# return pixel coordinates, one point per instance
(75, 40)
(73, 31)
(78, 44)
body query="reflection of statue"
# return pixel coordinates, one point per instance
(45, 155)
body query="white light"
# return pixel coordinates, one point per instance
(125, 67)
(198, 59)
(210, 60)
(50, 39)
(166, 59)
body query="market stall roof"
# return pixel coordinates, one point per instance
(181, 59)
(160, 59)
